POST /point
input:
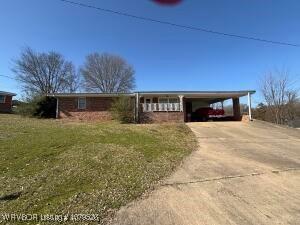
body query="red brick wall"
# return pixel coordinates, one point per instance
(6, 107)
(161, 117)
(96, 108)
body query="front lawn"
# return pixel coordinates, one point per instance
(58, 167)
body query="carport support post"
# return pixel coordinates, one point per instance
(249, 106)
(236, 109)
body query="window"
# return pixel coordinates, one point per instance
(163, 100)
(81, 103)
(148, 100)
(2, 98)
(168, 100)
(173, 100)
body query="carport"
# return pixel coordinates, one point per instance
(172, 106)
(195, 100)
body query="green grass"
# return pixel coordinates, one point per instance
(67, 167)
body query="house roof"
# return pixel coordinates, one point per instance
(7, 93)
(188, 94)
(89, 94)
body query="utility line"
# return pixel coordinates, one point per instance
(178, 25)
(2, 75)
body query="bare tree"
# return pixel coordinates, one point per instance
(107, 73)
(73, 84)
(43, 73)
(280, 96)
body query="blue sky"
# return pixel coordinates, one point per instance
(164, 57)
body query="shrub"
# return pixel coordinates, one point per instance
(27, 108)
(122, 109)
(42, 107)
(46, 108)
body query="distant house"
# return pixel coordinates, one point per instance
(6, 101)
(150, 106)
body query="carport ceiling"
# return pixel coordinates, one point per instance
(207, 100)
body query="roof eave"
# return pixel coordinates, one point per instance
(57, 95)
(7, 93)
(223, 94)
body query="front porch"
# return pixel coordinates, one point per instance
(161, 108)
(161, 103)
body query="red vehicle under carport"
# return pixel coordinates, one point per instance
(207, 113)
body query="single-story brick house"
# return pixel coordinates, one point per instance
(6, 101)
(150, 106)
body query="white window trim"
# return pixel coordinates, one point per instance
(78, 105)
(4, 99)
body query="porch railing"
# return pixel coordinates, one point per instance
(160, 107)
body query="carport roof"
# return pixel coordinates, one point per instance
(201, 94)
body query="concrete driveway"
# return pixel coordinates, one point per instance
(242, 173)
